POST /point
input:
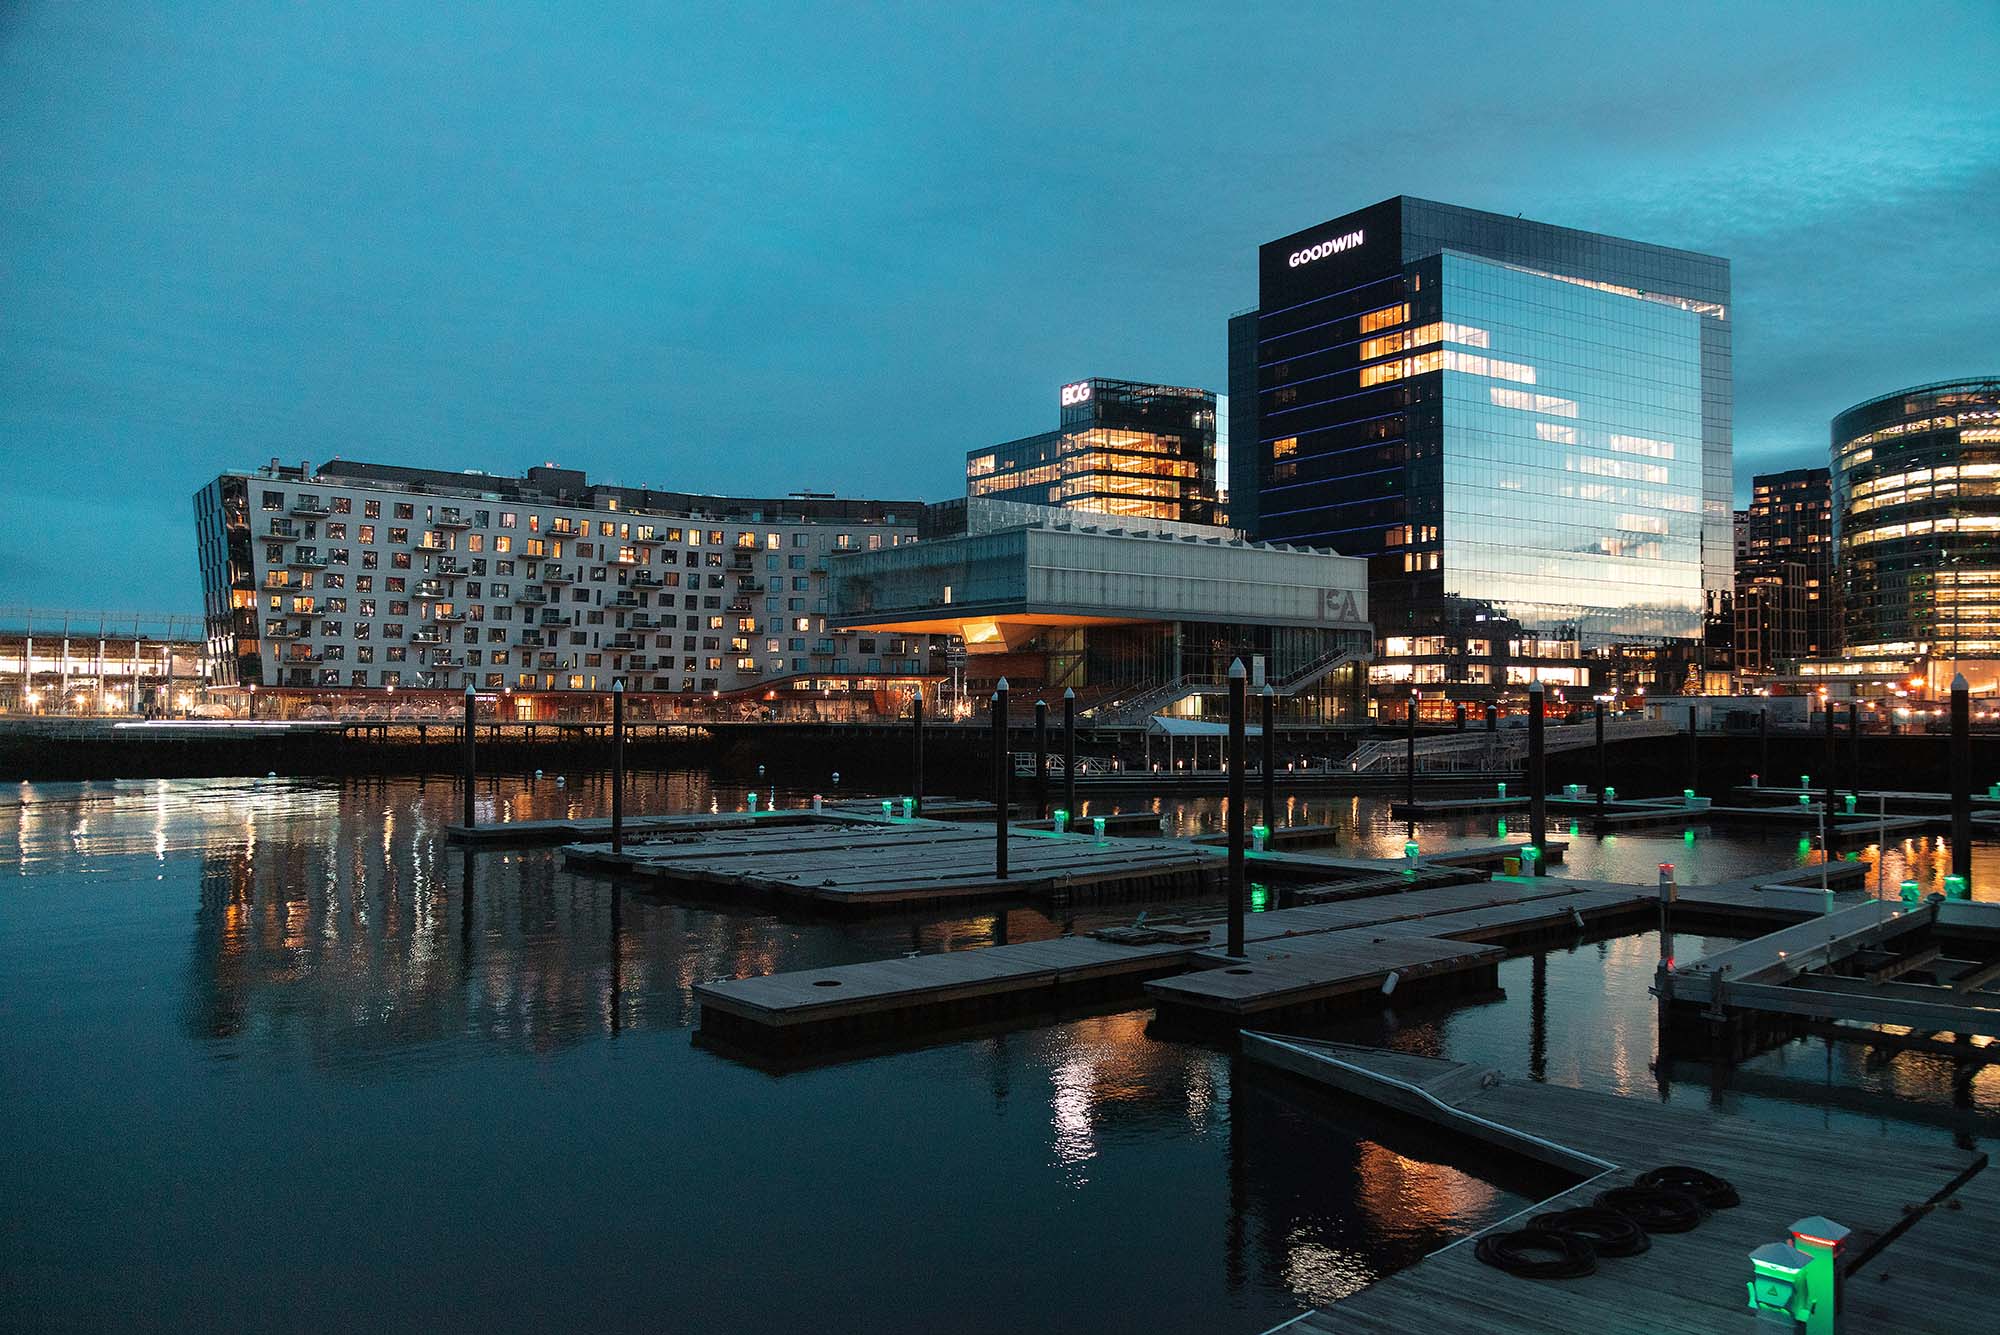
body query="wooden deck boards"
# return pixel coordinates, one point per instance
(1690, 1282)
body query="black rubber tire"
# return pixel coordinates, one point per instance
(1655, 1209)
(1538, 1253)
(1710, 1190)
(1608, 1232)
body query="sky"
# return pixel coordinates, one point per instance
(764, 248)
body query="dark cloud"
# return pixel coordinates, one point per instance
(735, 247)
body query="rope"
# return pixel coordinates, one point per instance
(1655, 1209)
(1538, 1253)
(1710, 1190)
(1608, 1232)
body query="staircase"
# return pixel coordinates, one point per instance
(1489, 751)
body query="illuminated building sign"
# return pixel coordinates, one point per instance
(1332, 246)
(1075, 394)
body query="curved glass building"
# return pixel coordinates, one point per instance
(1916, 505)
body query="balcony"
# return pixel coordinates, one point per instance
(305, 558)
(433, 588)
(742, 560)
(304, 656)
(740, 605)
(448, 618)
(284, 530)
(823, 649)
(312, 507)
(430, 636)
(646, 579)
(556, 575)
(624, 644)
(551, 617)
(448, 569)
(750, 584)
(451, 519)
(531, 596)
(284, 630)
(626, 601)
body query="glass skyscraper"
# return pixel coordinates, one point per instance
(1916, 506)
(1123, 448)
(1524, 428)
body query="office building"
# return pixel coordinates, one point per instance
(1524, 429)
(1122, 448)
(370, 577)
(1785, 593)
(1139, 617)
(1916, 513)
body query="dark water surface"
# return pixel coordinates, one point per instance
(267, 1064)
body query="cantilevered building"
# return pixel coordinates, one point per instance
(1525, 429)
(358, 577)
(1122, 448)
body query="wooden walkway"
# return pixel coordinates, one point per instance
(1912, 1267)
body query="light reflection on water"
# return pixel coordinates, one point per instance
(273, 1008)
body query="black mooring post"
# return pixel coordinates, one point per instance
(1270, 762)
(1492, 717)
(1237, 707)
(1694, 751)
(1961, 781)
(1003, 766)
(1069, 755)
(471, 754)
(1041, 759)
(1764, 743)
(1461, 716)
(917, 752)
(1832, 756)
(1537, 779)
(1410, 767)
(1603, 773)
(1854, 749)
(618, 766)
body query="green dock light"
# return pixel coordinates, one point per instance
(1258, 833)
(1062, 821)
(888, 809)
(1805, 799)
(1531, 858)
(909, 807)
(1503, 790)
(1956, 888)
(1410, 853)
(1850, 804)
(1502, 826)
(1993, 790)
(1610, 793)
(1097, 825)
(753, 801)
(1805, 780)
(1912, 892)
(1687, 835)
(1779, 1287)
(1260, 897)
(1572, 829)
(1824, 1241)
(1687, 794)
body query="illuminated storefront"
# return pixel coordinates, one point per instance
(1524, 429)
(1123, 448)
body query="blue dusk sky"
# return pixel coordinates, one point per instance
(758, 248)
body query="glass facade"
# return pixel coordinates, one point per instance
(1124, 448)
(1524, 428)
(1916, 504)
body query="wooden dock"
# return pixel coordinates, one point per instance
(1910, 1266)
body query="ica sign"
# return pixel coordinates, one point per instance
(1330, 246)
(1075, 394)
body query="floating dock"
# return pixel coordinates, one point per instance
(1910, 1266)
(1300, 960)
(1929, 968)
